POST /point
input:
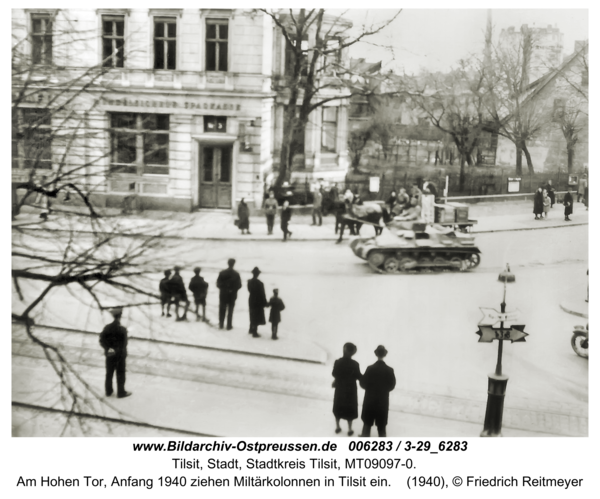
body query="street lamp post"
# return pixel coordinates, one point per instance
(492, 426)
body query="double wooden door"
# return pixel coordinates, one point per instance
(215, 176)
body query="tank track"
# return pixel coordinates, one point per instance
(414, 261)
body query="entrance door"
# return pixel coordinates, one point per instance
(215, 176)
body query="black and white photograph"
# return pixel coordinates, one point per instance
(299, 222)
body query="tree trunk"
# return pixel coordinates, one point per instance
(519, 162)
(285, 157)
(462, 172)
(570, 156)
(528, 158)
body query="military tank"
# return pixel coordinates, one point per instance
(418, 247)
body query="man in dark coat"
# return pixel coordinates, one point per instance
(286, 216)
(276, 304)
(538, 203)
(378, 381)
(178, 294)
(257, 301)
(229, 283)
(568, 204)
(113, 339)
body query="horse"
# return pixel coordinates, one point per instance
(368, 212)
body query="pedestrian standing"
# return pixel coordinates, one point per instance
(317, 207)
(547, 203)
(286, 216)
(276, 305)
(568, 204)
(244, 217)
(179, 294)
(270, 211)
(113, 339)
(228, 283)
(257, 301)
(199, 288)
(581, 185)
(165, 294)
(538, 203)
(346, 373)
(551, 193)
(378, 381)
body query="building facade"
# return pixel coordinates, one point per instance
(175, 106)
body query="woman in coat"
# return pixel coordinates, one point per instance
(345, 399)
(568, 204)
(538, 203)
(244, 217)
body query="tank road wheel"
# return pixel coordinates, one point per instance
(425, 264)
(456, 263)
(391, 265)
(440, 262)
(472, 260)
(375, 260)
(407, 263)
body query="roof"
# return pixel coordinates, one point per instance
(361, 66)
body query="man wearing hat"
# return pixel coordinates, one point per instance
(178, 293)
(378, 381)
(229, 283)
(113, 339)
(286, 216)
(257, 301)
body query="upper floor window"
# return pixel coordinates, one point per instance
(328, 129)
(31, 138)
(217, 35)
(41, 39)
(290, 57)
(165, 43)
(331, 57)
(139, 142)
(113, 41)
(215, 124)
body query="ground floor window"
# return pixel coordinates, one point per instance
(139, 143)
(328, 129)
(32, 138)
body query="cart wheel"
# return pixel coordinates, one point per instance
(580, 345)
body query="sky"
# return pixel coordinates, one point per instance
(437, 38)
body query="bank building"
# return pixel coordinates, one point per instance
(183, 107)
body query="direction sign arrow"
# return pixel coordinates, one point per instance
(488, 333)
(492, 317)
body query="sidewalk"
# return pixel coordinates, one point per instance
(218, 225)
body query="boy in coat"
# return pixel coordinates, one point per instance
(277, 306)
(378, 381)
(199, 288)
(165, 294)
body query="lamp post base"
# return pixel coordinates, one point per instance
(492, 426)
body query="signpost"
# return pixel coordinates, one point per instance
(488, 332)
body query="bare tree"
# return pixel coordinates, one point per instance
(358, 138)
(315, 70)
(455, 104)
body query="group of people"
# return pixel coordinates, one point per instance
(377, 381)
(545, 198)
(270, 206)
(172, 292)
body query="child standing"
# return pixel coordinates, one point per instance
(275, 315)
(547, 204)
(199, 288)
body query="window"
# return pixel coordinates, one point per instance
(139, 142)
(215, 124)
(113, 41)
(290, 57)
(332, 57)
(41, 39)
(31, 138)
(328, 129)
(217, 33)
(165, 42)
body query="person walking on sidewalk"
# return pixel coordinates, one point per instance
(165, 294)
(113, 339)
(286, 216)
(346, 372)
(538, 203)
(568, 204)
(199, 288)
(229, 283)
(581, 185)
(547, 203)
(257, 301)
(244, 217)
(317, 207)
(378, 381)
(270, 211)
(179, 294)
(276, 305)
